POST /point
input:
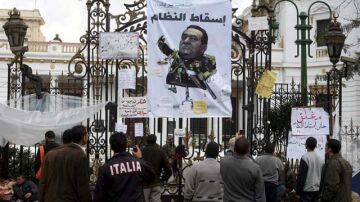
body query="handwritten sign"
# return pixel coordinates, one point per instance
(266, 84)
(200, 106)
(179, 132)
(119, 45)
(119, 127)
(127, 78)
(139, 129)
(296, 146)
(309, 121)
(258, 23)
(133, 107)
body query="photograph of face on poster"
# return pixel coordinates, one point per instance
(189, 58)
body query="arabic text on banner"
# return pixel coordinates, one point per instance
(133, 107)
(119, 45)
(266, 83)
(309, 121)
(296, 146)
(188, 60)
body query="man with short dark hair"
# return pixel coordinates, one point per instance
(25, 190)
(272, 170)
(308, 180)
(67, 137)
(65, 174)
(203, 182)
(337, 175)
(242, 177)
(42, 151)
(121, 178)
(158, 160)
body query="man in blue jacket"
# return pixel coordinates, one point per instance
(122, 177)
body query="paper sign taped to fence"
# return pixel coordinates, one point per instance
(258, 23)
(179, 132)
(309, 121)
(266, 84)
(139, 129)
(119, 127)
(133, 107)
(119, 45)
(296, 146)
(127, 78)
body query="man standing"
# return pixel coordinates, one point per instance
(336, 178)
(272, 171)
(43, 149)
(203, 182)
(158, 160)
(122, 177)
(242, 177)
(25, 190)
(65, 173)
(308, 180)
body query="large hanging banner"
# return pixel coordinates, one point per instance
(189, 58)
(309, 121)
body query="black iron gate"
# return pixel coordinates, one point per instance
(91, 77)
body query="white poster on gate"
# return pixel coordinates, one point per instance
(296, 146)
(309, 121)
(189, 74)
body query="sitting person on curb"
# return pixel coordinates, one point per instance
(25, 190)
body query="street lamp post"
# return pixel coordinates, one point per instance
(334, 39)
(15, 30)
(303, 28)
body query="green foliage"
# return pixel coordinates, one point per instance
(280, 117)
(21, 162)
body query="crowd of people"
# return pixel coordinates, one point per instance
(63, 172)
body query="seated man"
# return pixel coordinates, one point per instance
(25, 190)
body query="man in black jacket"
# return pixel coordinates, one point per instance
(49, 145)
(159, 162)
(121, 178)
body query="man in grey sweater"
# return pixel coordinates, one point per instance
(308, 181)
(243, 181)
(203, 182)
(273, 172)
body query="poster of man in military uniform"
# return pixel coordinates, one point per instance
(190, 66)
(189, 58)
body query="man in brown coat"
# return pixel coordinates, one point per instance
(65, 172)
(335, 183)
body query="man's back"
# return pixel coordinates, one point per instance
(336, 181)
(65, 175)
(203, 182)
(313, 165)
(242, 178)
(157, 159)
(120, 179)
(47, 147)
(271, 167)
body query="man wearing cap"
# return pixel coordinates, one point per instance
(203, 182)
